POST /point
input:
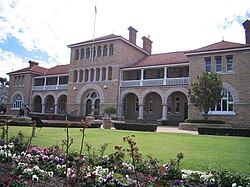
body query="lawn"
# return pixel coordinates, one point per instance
(201, 152)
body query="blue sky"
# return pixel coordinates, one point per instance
(32, 30)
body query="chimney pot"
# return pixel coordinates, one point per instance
(32, 63)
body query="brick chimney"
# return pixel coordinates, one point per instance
(32, 63)
(147, 44)
(132, 35)
(246, 26)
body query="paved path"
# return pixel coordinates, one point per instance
(174, 129)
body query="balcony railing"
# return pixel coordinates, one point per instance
(156, 82)
(50, 87)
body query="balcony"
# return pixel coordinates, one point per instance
(50, 87)
(156, 82)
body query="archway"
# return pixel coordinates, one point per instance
(49, 104)
(152, 106)
(130, 106)
(62, 100)
(91, 103)
(37, 104)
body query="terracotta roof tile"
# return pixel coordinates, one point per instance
(219, 46)
(60, 69)
(34, 69)
(162, 59)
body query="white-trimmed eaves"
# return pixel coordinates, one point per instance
(217, 51)
(107, 40)
(157, 66)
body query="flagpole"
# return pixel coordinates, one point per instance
(93, 40)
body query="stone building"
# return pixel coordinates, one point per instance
(115, 71)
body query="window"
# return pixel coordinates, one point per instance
(75, 75)
(77, 54)
(92, 74)
(80, 75)
(125, 104)
(177, 104)
(51, 81)
(218, 64)
(97, 74)
(225, 105)
(111, 49)
(109, 73)
(88, 53)
(136, 104)
(94, 52)
(17, 101)
(229, 63)
(105, 50)
(82, 54)
(99, 51)
(207, 64)
(63, 79)
(86, 75)
(103, 73)
(150, 104)
(169, 104)
(39, 82)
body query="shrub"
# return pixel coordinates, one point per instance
(224, 131)
(212, 121)
(135, 126)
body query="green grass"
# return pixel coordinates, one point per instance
(201, 152)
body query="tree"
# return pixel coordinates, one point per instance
(3, 84)
(110, 110)
(206, 93)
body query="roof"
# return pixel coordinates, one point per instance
(107, 37)
(162, 59)
(31, 69)
(222, 45)
(59, 69)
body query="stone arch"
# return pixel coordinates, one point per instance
(176, 89)
(50, 93)
(60, 94)
(87, 87)
(15, 93)
(233, 92)
(149, 90)
(38, 94)
(124, 93)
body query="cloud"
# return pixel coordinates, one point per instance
(49, 26)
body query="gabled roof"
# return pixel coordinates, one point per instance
(31, 69)
(107, 37)
(162, 59)
(35, 69)
(222, 45)
(59, 69)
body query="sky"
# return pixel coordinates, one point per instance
(41, 30)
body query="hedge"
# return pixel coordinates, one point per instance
(212, 121)
(135, 126)
(224, 131)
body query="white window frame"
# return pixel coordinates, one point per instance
(218, 65)
(17, 102)
(229, 63)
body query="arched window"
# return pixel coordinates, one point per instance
(94, 52)
(82, 54)
(75, 75)
(226, 104)
(109, 73)
(99, 51)
(105, 50)
(88, 52)
(97, 78)
(17, 101)
(80, 76)
(103, 73)
(77, 54)
(86, 75)
(92, 74)
(49, 104)
(111, 49)
(62, 100)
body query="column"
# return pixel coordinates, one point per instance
(44, 85)
(107, 74)
(165, 75)
(89, 75)
(43, 108)
(141, 106)
(94, 79)
(142, 75)
(56, 108)
(164, 111)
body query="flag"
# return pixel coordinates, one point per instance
(95, 10)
